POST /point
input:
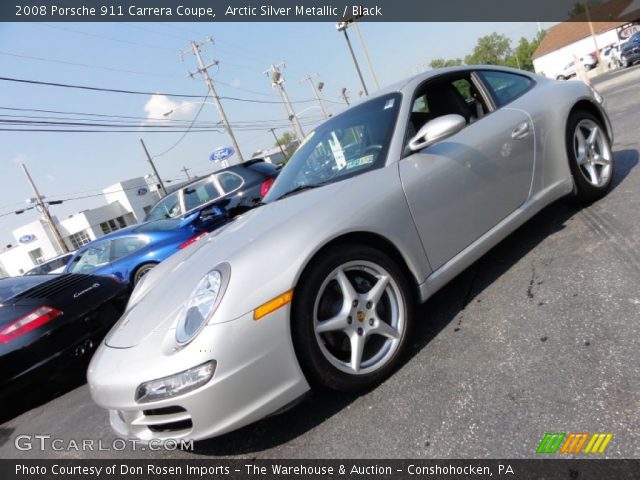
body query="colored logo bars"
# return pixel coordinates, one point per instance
(572, 443)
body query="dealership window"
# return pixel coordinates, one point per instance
(36, 256)
(79, 239)
(113, 225)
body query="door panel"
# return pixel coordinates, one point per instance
(460, 188)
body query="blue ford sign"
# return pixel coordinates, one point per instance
(221, 153)
(27, 238)
(142, 191)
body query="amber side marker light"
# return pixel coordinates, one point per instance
(273, 305)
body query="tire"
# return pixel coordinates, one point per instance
(381, 328)
(590, 161)
(141, 271)
(560, 77)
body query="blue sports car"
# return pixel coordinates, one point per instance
(131, 252)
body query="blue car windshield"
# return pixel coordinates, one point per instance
(349, 144)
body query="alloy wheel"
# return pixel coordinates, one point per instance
(593, 152)
(359, 317)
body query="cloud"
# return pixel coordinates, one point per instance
(158, 106)
(50, 177)
(236, 82)
(19, 159)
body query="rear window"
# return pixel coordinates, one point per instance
(10, 287)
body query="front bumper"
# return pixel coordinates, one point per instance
(257, 374)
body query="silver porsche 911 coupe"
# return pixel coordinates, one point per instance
(378, 208)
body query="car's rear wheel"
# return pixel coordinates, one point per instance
(561, 77)
(590, 156)
(350, 318)
(141, 271)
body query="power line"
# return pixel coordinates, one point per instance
(106, 37)
(185, 133)
(139, 92)
(86, 65)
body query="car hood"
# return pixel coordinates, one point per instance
(159, 302)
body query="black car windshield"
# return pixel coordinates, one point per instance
(10, 287)
(351, 143)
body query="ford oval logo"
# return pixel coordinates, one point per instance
(142, 191)
(221, 153)
(27, 238)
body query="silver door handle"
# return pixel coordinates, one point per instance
(521, 131)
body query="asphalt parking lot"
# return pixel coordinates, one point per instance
(541, 335)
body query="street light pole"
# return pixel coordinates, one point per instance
(153, 167)
(342, 26)
(45, 211)
(366, 54)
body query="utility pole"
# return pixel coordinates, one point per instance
(366, 54)
(342, 27)
(317, 92)
(186, 172)
(345, 96)
(273, 131)
(277, 81)
(153, 167)
(42, 206)
(204, 70)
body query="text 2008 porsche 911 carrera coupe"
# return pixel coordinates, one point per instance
(378, 208)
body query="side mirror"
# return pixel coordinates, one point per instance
(436, 130)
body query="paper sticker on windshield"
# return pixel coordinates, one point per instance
(389, 103)
(358, 162)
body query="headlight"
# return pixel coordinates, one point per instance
(177, 384)
(202, 302)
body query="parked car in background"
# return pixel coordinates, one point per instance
(630, 50)
(241, 187)
(589, 62)
(48, 322)
(54, 265)
(131, 252)
(380, 207)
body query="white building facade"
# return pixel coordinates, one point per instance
(127, 204)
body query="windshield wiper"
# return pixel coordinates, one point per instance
(301, 188)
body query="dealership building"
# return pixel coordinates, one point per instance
(127, 203)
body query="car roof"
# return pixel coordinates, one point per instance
(409, 84)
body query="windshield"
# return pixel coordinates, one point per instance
(10, 287)
(92, 258)
(349, 144)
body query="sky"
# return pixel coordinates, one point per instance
(146, 57)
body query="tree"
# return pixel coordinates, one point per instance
(288, 143)
(442, 63)
(523, 54)
(493, 49)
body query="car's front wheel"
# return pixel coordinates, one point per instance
(590, 156)
(350, 319)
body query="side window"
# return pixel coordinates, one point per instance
(506, 87)
(230, 181)
(121, 247)
(92, 258)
